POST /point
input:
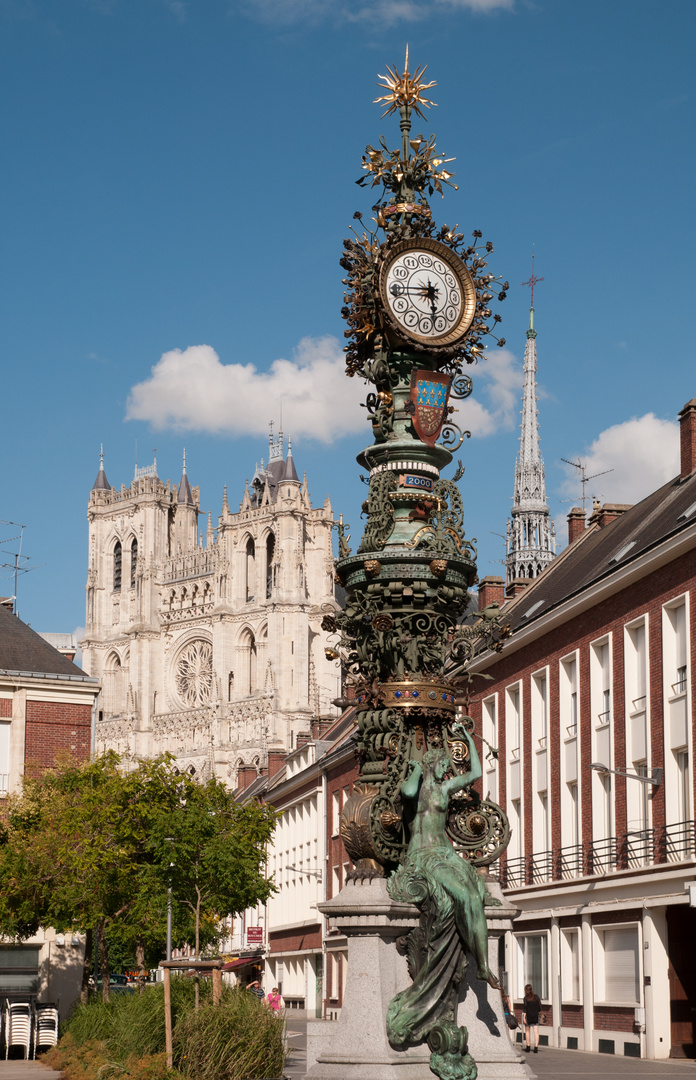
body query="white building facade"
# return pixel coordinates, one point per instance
(210, 649)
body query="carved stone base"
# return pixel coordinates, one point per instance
(355, 1047)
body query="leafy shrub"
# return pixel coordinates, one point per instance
(239, 1039)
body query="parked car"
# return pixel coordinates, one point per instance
(117, 983)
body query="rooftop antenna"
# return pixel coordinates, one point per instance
(17, 565)
(584, 478)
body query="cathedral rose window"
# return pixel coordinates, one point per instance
(194, 674)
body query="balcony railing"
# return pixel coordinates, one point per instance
(570, 861)
(541, 866)
(631, 850)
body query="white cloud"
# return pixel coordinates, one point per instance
(192, 390)
(642, 454)
(384, 12)
(499, 378)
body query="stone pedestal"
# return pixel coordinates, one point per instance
(356, 1047)
(481, 1008)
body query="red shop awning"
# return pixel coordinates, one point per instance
(244, 961)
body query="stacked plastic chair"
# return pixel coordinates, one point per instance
(18, 1024)
(45, 1026)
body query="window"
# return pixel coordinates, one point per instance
(270, 551)
(335, 813)
(682, 759)
(19, 969)
(134, 562)
(247, 666)
(4, 759)
(617, 969)
(570, 965)
(250, 563)
(117, 566)
(490, 734)
(532, 964)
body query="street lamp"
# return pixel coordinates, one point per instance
(655, 776)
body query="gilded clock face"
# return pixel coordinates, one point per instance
(428, 291)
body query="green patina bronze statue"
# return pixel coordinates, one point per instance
(452, 896)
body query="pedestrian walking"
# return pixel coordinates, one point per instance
(532, 1007)
(257, 989)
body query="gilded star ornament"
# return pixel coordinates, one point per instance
(405, 89)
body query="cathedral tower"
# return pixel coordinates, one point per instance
(531, 537)
(211, 648)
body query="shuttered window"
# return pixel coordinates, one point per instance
(621, 964)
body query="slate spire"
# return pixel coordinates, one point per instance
(101, 483)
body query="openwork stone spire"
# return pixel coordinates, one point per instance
(531, 536)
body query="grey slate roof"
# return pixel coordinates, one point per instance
(184, 495)
(601, 552)
(23, 650)
(101, 483)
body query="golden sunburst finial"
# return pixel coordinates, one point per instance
(405, 89)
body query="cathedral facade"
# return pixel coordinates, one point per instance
(211, 649)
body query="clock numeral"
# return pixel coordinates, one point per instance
(455, 297)
(425, 326)
(400, 305)
(410, 262)
(410, 318)
(450, 314)
(450, 281)
(425, 260)
(401, 272)
(440, 324)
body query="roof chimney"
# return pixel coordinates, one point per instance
(576, 524)
(687, 433)
(246, 774)
(491, 590)
(604, 515)
(276, 760)
(517, 586)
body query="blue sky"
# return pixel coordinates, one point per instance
(179, 175)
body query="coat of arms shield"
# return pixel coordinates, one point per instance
(429, 397)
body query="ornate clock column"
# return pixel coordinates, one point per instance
(417, 308)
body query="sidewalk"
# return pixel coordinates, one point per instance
(571, 1063)
(549, 1062)
(26, 1070)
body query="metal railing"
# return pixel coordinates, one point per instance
(678, 842)
(570, 861)
(630, 850)
(541, 867)
(638, 847)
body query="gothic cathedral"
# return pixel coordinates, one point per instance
(212, 651)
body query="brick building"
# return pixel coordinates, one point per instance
(47, 708)
(591, 709)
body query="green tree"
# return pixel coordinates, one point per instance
(90, 847)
